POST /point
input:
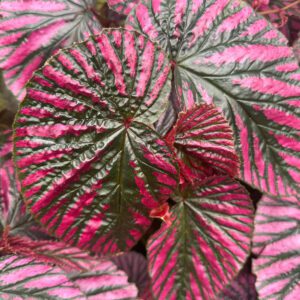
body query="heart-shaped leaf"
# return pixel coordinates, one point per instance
(277, 245)
(31, 30)
(207, 243)
(218, 48)
(122, 6)
(24, 278)
(90, 170)
(203, 142)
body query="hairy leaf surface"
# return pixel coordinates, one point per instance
(206, 244)
(218, 48)
(90, 169)
(31, 30)
(122, 6)
(277, 245)
(203, 142)
(24, 278)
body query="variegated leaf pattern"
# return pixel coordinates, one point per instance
(122, 6)
(69, 259)
(9, 194)
(90, 169)
(277, 246)
(31, 30)
(207, 243)
(28, 278)
(202, 140)
(13, 213)
(105, 282)
(21, 278)
(224, 52)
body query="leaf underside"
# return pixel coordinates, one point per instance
(207, 243)
(218, 48)
(31, 30)
(277, 245)
(90, 168)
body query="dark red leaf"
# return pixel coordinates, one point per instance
(203, 142)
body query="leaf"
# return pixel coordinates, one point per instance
(90, 169)
(31, 30)
(207, 243)
(13, 214)
(9, 194)
(218, 48)
(203, 142)
(135, 266)
(242, 288)
(23, 277)
(122, 7)
(69, 259)
(277, 245)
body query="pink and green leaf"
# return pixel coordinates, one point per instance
(24, 278)
(277, 246)
(203, 142)
(207, 243)
(217, 49)
(11, 212)
(89, 166)
(123, 7)
(31, 30)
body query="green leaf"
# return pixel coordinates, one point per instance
(28, 278)
(225, 53)
(91, 167)
(32, 30)
(206, 244)
(276, 244)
